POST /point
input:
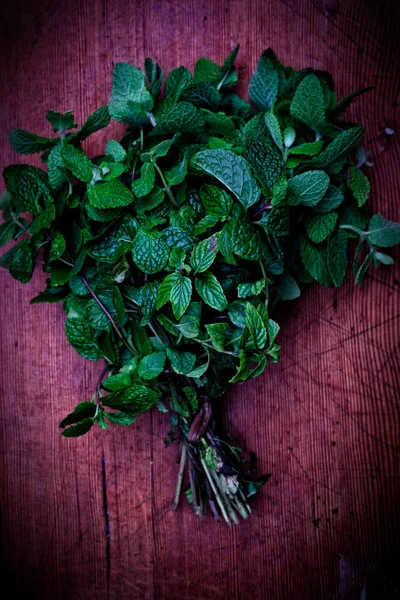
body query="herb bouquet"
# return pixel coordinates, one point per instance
(170, 250)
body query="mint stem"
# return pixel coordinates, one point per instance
(182, 464)
(130, 347)
(166, 186)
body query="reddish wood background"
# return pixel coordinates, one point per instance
(90, 518)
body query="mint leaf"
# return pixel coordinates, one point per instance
(338, 147)
(263, 88)
(7, 232)
(332, 199)
(80, 336)
(266, 162)
(99, 119)
(151, 365)
(204, 254)
(150, 252)
(308, 103)
(57, 247)
(319, 227)
(274, 129)
(120, 418)
(276, 221)
(342, 106)
(181, 117)
(61, 121)
(79, 429)
(287, 288)
(143, 186)
(129, 86)
(307, 149)
(181, 293)
(177, 81)
(337, 259)
(111, 194)
(181, 362)
(382, 232)
(205, 70)
(76, 161)
(315, 260)
(256, 327)
(84, 410)
(232, 171)
(359, 185)
(134, 400)
(28, 187)
(210, 290)
(19, 261)
(154, 75)
(56, 168)
(216, 201)
(309, 187)
(115, 150)
(251, 289)
(24, 142)
(218, 334)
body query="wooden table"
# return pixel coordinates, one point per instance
(91, 518)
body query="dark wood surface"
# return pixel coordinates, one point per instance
(90, 518)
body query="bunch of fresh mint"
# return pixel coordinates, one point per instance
(171, 249)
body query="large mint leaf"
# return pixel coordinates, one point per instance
(266, 162)
(337, 258)
(332, 199)
(181, 362)
(202, 94)
(181, 293)
(315, 260)
(338, 147)
(110, 194)
(28, 187)
(19, 261)
(177, 81)
(84, 410)
(210, 290)
(215, 200)
(129, 85)
(151, 365)
(383, 233)
(181, 117)
(274, 129)
(309, 187)
(99, 119)
(55, 168)
(232, 171)
(134, 400)
(204, 254)
(264, 84)
(76, 161)
(143, 186)
(80, 336)
(256, 327)
(359, 185)
(206, 71)
(150, 252)
(24, 142)
(319, 227)
(164, 291)
(117, 241)
(276, 221)
(308, 103)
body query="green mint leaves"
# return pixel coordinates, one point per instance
(172, 246)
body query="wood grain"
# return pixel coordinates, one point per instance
(90, 518)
